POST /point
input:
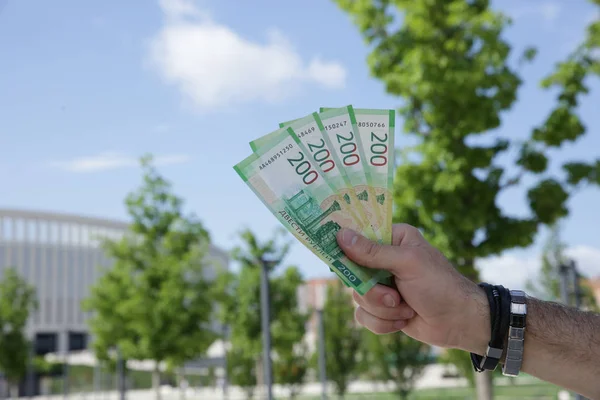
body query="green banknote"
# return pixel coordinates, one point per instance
(341, 136)
(287, 182)
(376, 136)
(309, 132)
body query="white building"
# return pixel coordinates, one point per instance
(60, 255)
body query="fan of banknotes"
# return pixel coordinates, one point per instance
(324, 172)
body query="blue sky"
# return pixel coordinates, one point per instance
(88, 87)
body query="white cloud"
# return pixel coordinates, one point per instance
(512, 271)
(507, 270)
(212, 65)
(327, 74)
(588, 259)
(112, 160)
(549, 11)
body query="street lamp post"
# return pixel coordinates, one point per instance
(265, 317)
(319, 303)
(29, 390)
(121, 375)
(66, 344)
(564, 283)
(225, 366)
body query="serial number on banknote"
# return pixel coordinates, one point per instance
(306, 132)
(275, 156)
(367, 124)
(335, 125)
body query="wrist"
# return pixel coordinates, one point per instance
(475, 322)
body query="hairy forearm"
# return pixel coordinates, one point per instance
(562, 346)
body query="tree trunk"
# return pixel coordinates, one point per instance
(403, 394)
(260, 381)
(13, 389)
(484, 385)
(156, 380)
(182, 385)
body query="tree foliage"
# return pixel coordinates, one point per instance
(448, 62)
(239, 296)
(394, 358)
(154, 303)
(342, 338)
(290, 363)
(17, 302)
(241, 371)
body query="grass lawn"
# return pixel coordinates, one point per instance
(81, 379)
(538, 391)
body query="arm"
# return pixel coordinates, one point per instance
(437, 305)
(562, 344)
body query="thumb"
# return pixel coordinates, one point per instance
(368, 253)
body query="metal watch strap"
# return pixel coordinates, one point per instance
(516, 333)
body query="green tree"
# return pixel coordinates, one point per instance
(448, 62)
(546, 285)
(17, 302)
(290, 362)
(396, 358)
(239, 295)
(154, 303)
(241, 371)
(342, 338)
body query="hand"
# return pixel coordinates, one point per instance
(435, 304)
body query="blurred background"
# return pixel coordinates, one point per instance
(135, 263)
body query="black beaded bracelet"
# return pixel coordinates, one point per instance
(499, 318)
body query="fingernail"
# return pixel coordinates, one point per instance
(349, 237)
(410, 314)
(389, 301)
(401, 324)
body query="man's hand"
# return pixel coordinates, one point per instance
(445, 303)
(439, 306)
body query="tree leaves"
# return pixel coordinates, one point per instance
(548, 201)
(448, 63)
(578, 172)
(17, 302)
(342, 337)
(239, 297)
(562, 125)
(155, 302)
(394, 357)
(532, 160)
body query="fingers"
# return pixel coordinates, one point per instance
(402, 233)
(378, 325)
(380, 305)
(380, 295)
(374, 255)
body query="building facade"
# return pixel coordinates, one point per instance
(60, 255)
(595, 285)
